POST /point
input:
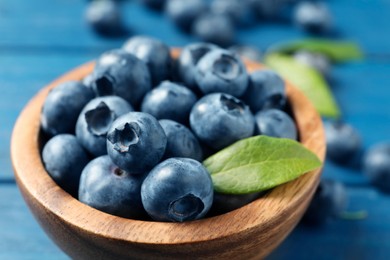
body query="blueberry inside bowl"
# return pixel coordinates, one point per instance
(251, 231)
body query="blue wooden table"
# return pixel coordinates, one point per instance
(41, 39)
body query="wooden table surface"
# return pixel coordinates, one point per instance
(41, 39)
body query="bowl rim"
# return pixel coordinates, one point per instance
(34, 181)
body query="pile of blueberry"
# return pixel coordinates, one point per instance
(216, 21)
(130, 138)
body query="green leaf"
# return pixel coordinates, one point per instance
(259, 163)
(337, 51)
(308, 80)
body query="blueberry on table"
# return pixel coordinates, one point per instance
(105, 18)
(62, 106)
(217, 29)
(376, 165)
(343, 142)
(181, 142)
(329, 201)
(317, 61)
(64, 159)
(221, 71)
(121, 74)
(220, 119)
(266, 89)
(247, 51)
(96, 118)
(154, 53)
(267, 9)
(189, 58)
(313, 16)
(169, 101)
(177, 190)
(276, 123)
(184, 13)
(240, 11)
(110, 189)
(136, 142)
(154, 4)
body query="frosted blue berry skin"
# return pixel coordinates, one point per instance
(105, 18)
(64, 159)
(184, 13)
(329, 202)
(247, 51)
(154, 4)
(376, 165)
(276, 123)
(221, 71)
(154, 53)
(136, 142)
(240, 11)
(96, 118)
(125, 76)
(169, 101)
(62, 107)
(343, 142)
(181, 142)
(189, 58)
(266, 89)
(110, 189)
(217, 29)
(219, 120)
(177, 190)
(313, 17)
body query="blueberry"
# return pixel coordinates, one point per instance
(224, 203)
(239, 11)
(313, 16)
(169, 101)
(266, 89)
(183, 13)
(105, 18)
(188, 59)
(177, 190)
(136, 142)
(181, 142)
(64, 159)
(62, 106)
(276, 123)
(154, 4)
(96, 118)
(220, 119)
(376, 165)
(266, 9)
(246, 51)
(154, 53)
(110, 189)
(221, 71)
(343, 142)
(317, 61)
(122, 74)
(217, 29)
(329, 201)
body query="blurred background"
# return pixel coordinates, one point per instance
(41, 39)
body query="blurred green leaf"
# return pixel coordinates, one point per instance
(336, 51)
(308, 80)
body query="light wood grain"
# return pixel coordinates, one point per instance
(250, 232)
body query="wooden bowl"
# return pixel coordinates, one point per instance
(250, 232)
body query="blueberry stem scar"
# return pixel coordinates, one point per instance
(123, 138)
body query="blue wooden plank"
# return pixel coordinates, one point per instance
(56, 24)
(21, 76)
(20, 235)
(344, 239)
